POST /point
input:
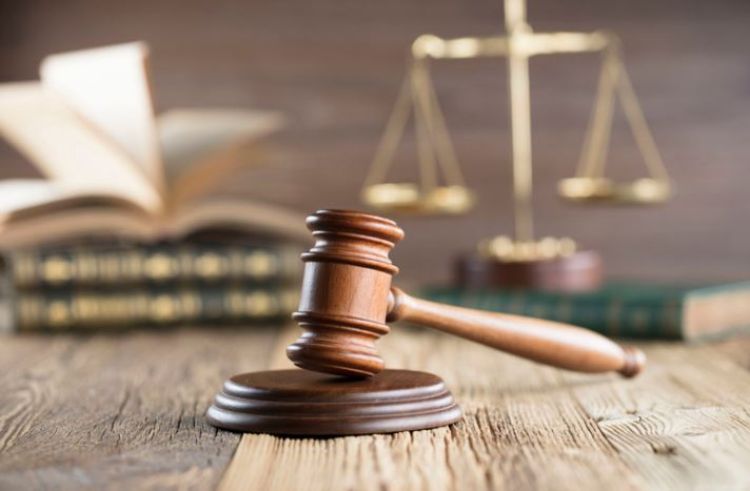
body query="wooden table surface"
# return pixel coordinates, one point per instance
(126, 411)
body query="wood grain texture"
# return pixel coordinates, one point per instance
(126, 412)
(118, 411)
(345, 293)
(683, 424)
(552, 343)
(299, 402)
(688, 428)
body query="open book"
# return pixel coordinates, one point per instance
(114, 169)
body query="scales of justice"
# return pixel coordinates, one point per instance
(521, 260)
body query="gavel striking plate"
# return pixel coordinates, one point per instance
(343, 387)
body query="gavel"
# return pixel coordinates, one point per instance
(347, 298)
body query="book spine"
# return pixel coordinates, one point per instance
(66, 310)
(611, 316)
(91, 266)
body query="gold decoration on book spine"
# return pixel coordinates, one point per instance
(260, 304)
(86, 266)
(96, 310)
(163, 308)
(261, 264)
(56, 269)
(58, 314)
(82, 266)
(210, 265)
(159, 266)
(191, 304)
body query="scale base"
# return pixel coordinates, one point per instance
(304, 403)
(577, 272)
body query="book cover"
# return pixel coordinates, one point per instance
(628, 310)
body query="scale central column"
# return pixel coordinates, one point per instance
(521, 262)
(520, 118)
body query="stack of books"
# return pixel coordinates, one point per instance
(98, 286)
(114, 234)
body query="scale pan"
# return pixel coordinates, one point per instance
(602, 190)
(407, 197)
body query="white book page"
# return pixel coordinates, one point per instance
(68, 150)
(110, 87)
(17, 194)
(192, 135)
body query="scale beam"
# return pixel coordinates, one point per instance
(525, 43)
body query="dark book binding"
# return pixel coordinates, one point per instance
(92, 309)
(119, 265)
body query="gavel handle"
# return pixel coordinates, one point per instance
(552, 343)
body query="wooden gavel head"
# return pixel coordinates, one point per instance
(345, 293)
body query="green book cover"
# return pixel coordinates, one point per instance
(622, 309)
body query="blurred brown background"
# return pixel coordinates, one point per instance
(334, 68)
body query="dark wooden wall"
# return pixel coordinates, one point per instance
(334, 67)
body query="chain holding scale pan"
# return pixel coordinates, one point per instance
(441, 187)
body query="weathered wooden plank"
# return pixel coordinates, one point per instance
(737, 349)
(523, 428)
(119, 411)
(685, 423)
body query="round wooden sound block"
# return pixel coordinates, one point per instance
(578, 272)
(304, 403)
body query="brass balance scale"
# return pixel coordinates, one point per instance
(521, 260)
